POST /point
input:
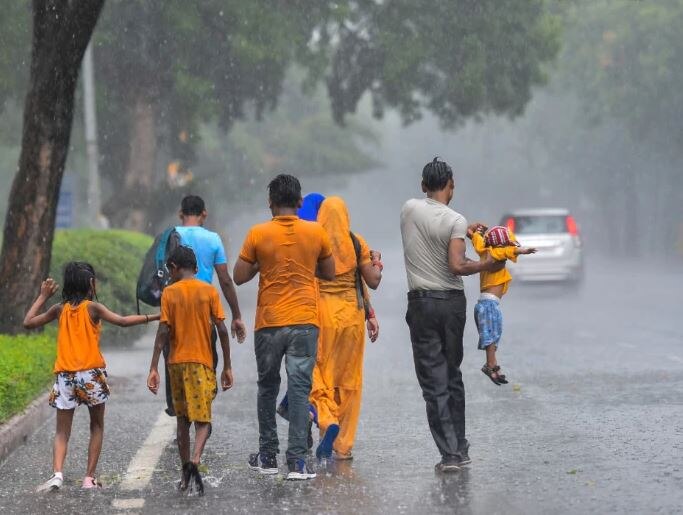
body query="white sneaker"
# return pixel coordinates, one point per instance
(52, 484)
(300, 470)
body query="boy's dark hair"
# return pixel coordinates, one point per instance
(436, 174)
(285, 191)
(77, 284)
(192, 205)
(182, 257)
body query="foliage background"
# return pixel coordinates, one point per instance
(25, 370)
(117, 257)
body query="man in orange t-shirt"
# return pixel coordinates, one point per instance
(288, 253)
(190, 308)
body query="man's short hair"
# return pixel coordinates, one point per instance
(182, 257)
(192, 205)
(436, 174)
(285, 191)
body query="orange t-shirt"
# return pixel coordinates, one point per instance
(189, 308)
(287, 251)
(78, 340)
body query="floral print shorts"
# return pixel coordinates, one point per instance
(72, 389)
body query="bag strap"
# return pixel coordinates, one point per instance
(359, 278)
(160, 256)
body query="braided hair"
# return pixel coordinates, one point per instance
(436, 174)
(78, 282)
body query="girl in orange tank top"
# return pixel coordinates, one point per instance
(80, 374)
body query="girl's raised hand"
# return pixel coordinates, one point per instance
(48, 288)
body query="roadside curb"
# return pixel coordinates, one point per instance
(19, 428)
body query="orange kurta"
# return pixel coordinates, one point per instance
(338, 374)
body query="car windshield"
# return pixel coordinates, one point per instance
(553, 224)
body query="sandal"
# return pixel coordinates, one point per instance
(501, 377)
(186, 476)
(197, 483)
(490, 371)
(91, 482)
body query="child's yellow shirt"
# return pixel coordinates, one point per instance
(501, 277)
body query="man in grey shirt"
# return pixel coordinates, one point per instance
(434, 250)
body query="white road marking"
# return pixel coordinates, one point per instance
(142, 465)
(128, 504)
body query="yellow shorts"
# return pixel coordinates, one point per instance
(193, 388)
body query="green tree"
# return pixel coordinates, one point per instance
(621, 61)
(61, 31)
(167, 66)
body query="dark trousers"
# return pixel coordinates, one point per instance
(437, 321)
(169, 397)
(298, 344)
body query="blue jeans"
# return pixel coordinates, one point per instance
(298, 344)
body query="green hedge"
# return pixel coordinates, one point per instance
(117, 257)
(25, 370)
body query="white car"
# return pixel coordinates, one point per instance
(555, 234)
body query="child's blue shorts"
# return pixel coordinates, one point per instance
(489, 320)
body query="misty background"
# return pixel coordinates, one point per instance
(601, 137)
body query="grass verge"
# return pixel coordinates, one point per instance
(25, 370)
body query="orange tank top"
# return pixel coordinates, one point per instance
(78, 340)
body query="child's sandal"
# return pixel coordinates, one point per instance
(186, 476)
(501, 377)
(490, 371)
(91, 482)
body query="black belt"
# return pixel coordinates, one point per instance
(435, 294)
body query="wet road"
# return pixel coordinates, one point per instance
(592, 422)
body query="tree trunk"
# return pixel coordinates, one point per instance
(130, 208)
(61, 32)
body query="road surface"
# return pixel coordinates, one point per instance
(592, 421)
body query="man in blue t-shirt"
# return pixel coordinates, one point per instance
(208, 249)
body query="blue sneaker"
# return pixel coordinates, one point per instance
(299, 470)
(326, 444)
(263, 463)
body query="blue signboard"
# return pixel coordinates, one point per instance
(66, 204)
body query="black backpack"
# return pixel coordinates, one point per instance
(154, 275)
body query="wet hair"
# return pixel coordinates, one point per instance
(192, 205)
(285, 191)
(182, 257)
(77, 284)
(436, 174)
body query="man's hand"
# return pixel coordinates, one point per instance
(48, 288)
(153, 381)
(226, 379)
(373, 329)
(526, 250)
(238, 330)
(476, 227)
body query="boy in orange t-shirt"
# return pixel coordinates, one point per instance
(288, 253)
(189, 310)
